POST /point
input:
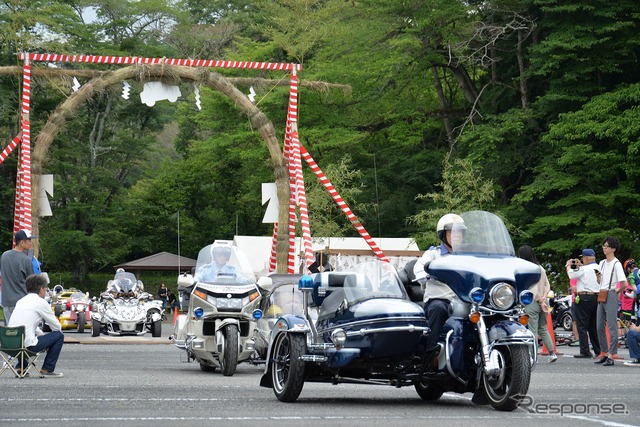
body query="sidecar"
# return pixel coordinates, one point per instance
(357, 326)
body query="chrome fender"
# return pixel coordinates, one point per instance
(96, 316)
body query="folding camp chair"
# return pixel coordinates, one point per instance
(13, 351)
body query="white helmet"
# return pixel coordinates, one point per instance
(447, 222)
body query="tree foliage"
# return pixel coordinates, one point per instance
(524, 107)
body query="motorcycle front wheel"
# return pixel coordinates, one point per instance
(229, 356)
(82, 320)
(506, 390)
(156, 329)
(95, 328)
(287, 372)
(567, 321)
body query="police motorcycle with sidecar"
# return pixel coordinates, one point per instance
(219, 327)
(377, 338)
(126, 309)
(356, 326)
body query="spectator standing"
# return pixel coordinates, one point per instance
(15, 267)
(628, 296)
(633, 278)
(538, 309)
(612, 282)
(173, 301)
(586, 289)
(30, 311)
(162, 294)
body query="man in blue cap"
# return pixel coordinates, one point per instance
(586, 303)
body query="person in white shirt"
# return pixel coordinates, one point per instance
(586, 272)
(32, 309)
(612, 282)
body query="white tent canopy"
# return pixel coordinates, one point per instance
(398, 250)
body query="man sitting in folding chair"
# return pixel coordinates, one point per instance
(29, 312)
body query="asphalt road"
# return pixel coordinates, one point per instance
(142, 381)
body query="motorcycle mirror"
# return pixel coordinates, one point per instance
(265, 283)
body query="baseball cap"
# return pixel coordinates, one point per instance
(588, 252)
(24, 235)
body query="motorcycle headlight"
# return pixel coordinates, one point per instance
(339, 337)
(229, 303)
(502, 296)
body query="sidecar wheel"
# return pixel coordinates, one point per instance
(506, 390)
(82, 319)
(428, 392)
(287, 372)
(229, 357)
(156, 329)
(95, 328)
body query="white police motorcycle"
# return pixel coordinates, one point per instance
(219, 327)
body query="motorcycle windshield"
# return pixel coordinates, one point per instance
(375, 279)
(286, 299)
(78, 297)
(482, 233)
(223, 264)
(124, 282)
(482, 256)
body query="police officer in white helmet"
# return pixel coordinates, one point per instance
(438, 295)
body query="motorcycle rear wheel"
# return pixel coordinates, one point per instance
(82, 320)
(229, 356)
(507, 391)
(287, 372)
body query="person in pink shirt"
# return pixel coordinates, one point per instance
(628, 295)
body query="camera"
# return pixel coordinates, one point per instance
(574, 264)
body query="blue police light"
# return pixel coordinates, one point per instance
(198, 312)
(476, 295)
(526, 297)
(257, 314)
(305, 282)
